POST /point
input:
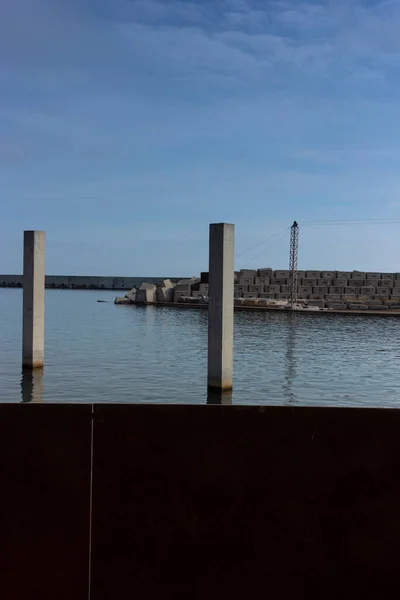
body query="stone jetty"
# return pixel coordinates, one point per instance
(323, 290)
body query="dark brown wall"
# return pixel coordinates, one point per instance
(200, 502)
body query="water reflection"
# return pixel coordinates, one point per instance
(290, 355)
(32, 385)
(224, 398)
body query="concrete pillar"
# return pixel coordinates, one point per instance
(32, 387)
(33, 302)
(220, 306)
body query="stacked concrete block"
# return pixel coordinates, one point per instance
(336, 305)
(305, 290)
(351, 290)
(343, 275)
(146, 294)
(267, 295)
(324, 283)
(336, 290)
(367, 291)
(240, 289)
(165, 294)
(132, 294)
(341, 282)
(272, 289)
(250, 295)
(381, 291)
(246, 280)
(281, 296)
(386, 282)
(281, 274)
(203, 289)
(264, 281)
(267, 272)
(373, 276)
(319, 303)
(249, 273)
(313, 275)
(395, 293)
(279, 281)
(357, 276)
(319, 290)
(309, 281)
(333, 297)
(257, 289)
(328, 274)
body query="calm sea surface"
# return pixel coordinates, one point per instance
(99, 352)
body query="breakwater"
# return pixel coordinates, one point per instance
(81, 282)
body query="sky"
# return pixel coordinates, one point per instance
(127, 126)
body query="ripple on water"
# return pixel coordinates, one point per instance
(98, 352)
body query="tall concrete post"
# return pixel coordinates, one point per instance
(33, 300)
(220, 306)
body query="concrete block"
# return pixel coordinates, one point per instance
(203, 288)
(248, 273)
(132, 294)
(302, 296)
(336, 305)
(266, 272)
(241, 288)
(281, 296)
(324, 283)
(381, 296)
(357, 306)
(395, 283)
(166, 283)
(256, 288)
(273, 289)
(336, 290)
(343, 275)
(237, 294)
(263, 281)
(377, 307)
(374, 276)
(368, 291)
(328, 274)
(320, 290)
(125, 300)
(373, 302)
(357, 276)
(313, 275)
(395, 293)
(281, 274)
(319, 303)
(383, 291)
(351, 291)
(311, 282)
(317, 296)
(396, 275)
(333, 297)
(246, 280)
(285, 289)
(304, 289)
(164, 294)
(279, 281)
(341, 282)
(250, 295)
(390, 276)
(385, 283)
(267, 295)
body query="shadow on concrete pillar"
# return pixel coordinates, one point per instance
(220, 306)
(33, 300)
(219, 398)
(32, 386)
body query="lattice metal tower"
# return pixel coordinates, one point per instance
(294, 255)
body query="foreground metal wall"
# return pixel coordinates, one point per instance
(199, 501)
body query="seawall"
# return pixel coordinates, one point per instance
(82, 282)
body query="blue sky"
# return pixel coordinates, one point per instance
(126, 127)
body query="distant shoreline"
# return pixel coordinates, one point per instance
(82, 282)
